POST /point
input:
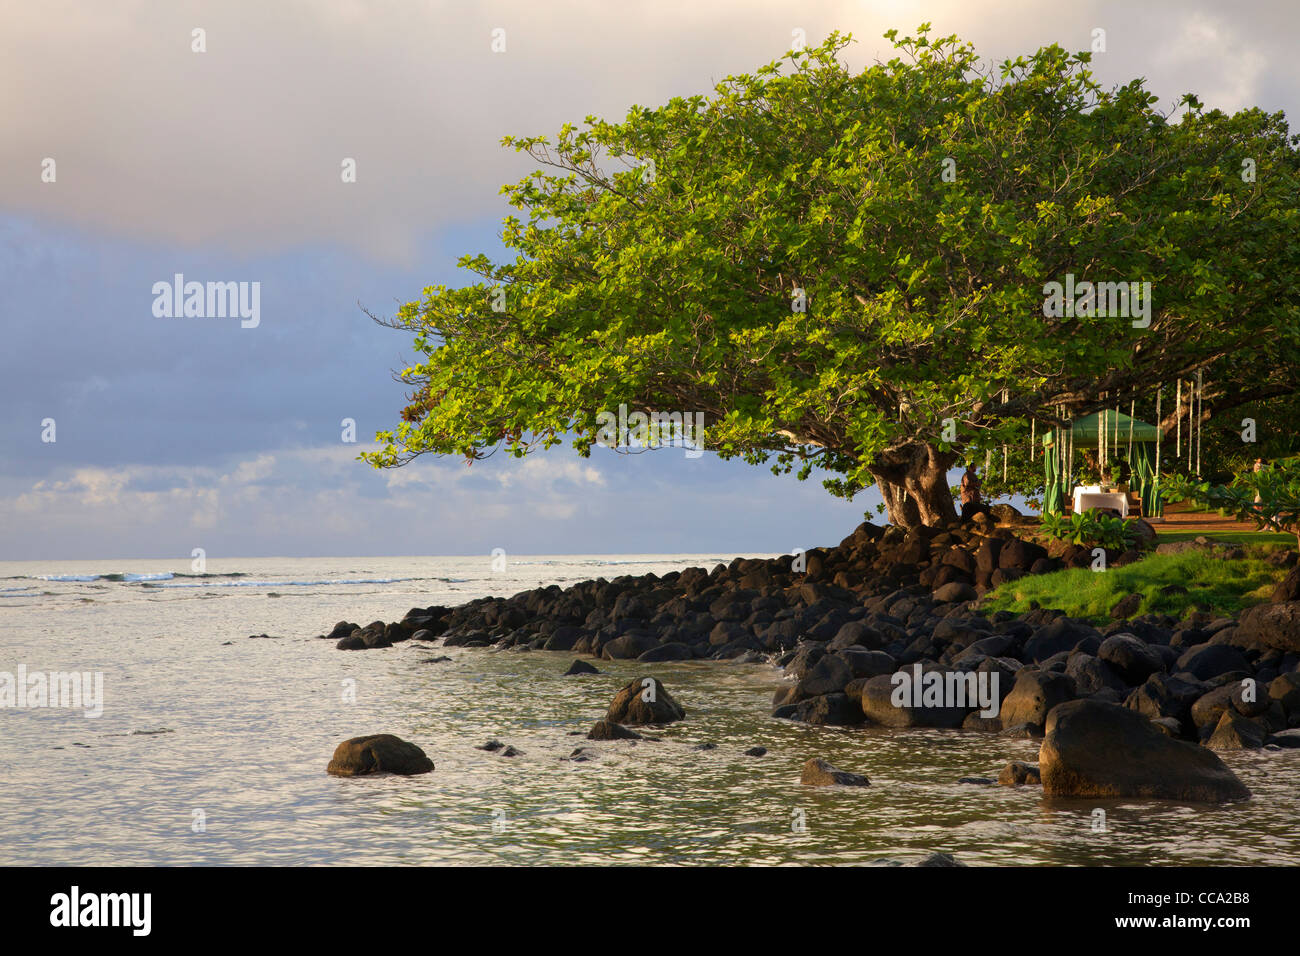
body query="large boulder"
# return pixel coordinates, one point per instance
(378, 753)
(1091, 675)
(1165, 695)
(1205, 661)
(954, 591)
(828, 676)
(818, 773)
(1019, 554)
(1095, 749)
(1285, 689)
(1036, 692)
(1235, 732)
(884, 702)
(1288, 589)
(644, 701)
(1131, 657)
(1063, 634)
(674, 651)
(1274, 626)
(828, 710)
(628, 646)
(1209, 707)
(865, 663)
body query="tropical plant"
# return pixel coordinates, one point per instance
(1091, 529)
(1269, 497)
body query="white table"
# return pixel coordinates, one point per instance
(1091, 496)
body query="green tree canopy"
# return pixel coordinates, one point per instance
(919, 207)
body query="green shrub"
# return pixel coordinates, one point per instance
(1091, 529)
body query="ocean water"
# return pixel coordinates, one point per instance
(212, 744)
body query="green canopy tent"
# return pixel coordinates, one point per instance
(1117, 429)
(1121, 431)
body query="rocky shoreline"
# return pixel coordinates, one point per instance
(1135, 708)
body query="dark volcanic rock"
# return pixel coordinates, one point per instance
(1130, 657)
(1062, 634)
(608, 730)
(1018, 774)
(667, 652)
(877, 699)
(829, 675)
(1164, 695)
(1235, 732)
(1091, 675)
(580, 667)
(1274, 626)
(832, 710)
(1036, 692)
(1210, 660)
(1093, 749)
(1288, 589)
(644, 701)
(818, 773)
(628, 646)
(1126, 606)
(955, 591)
(378, 753)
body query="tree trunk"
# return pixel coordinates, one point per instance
(900, 506)
(921, 471)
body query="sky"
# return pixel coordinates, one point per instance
(225, 165)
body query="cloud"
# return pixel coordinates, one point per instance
(320, 500)
(225, 165)
(241, 147)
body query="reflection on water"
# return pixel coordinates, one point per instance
(251, 724)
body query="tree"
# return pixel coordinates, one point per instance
(846, 271)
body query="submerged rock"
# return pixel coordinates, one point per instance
(608, 730)
(580, 667)
(378, 753)
(1018, 774)
(818, 773)
(1096, 749)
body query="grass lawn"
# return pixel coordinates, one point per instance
(1213, 583)
(1275, 538)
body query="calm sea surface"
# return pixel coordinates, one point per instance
(202, 722)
